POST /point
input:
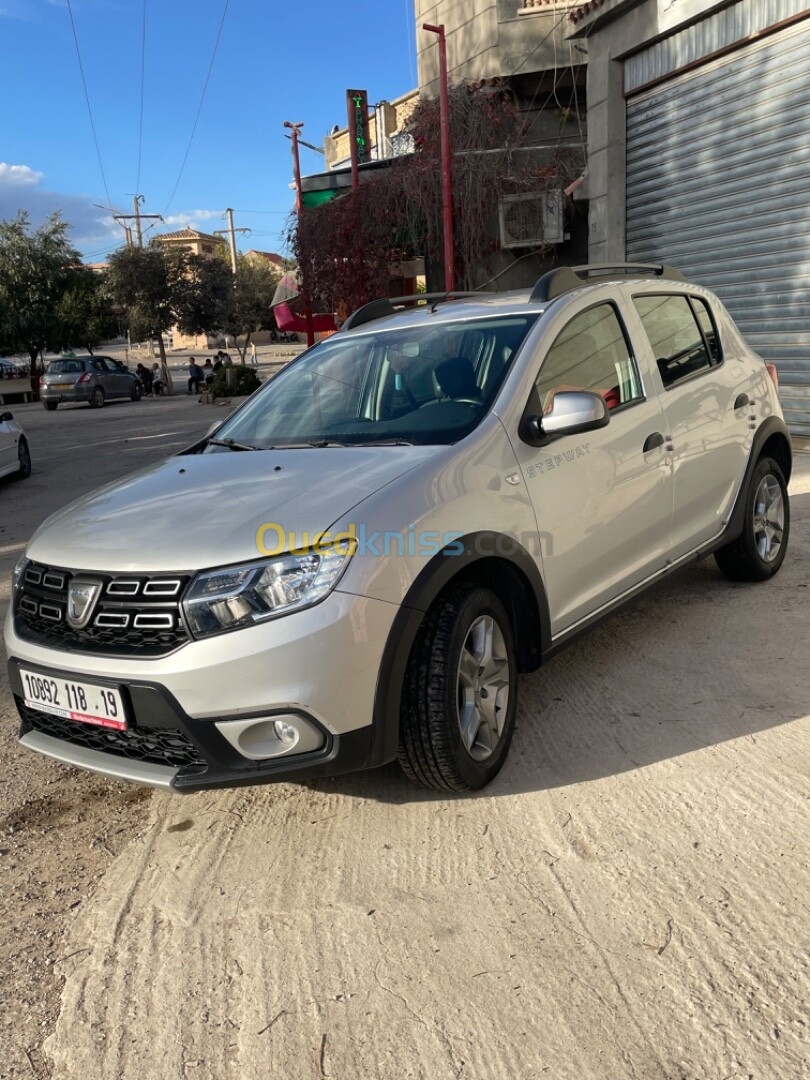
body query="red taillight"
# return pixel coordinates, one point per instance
(42, 380)
(86, 377)
(774, 374)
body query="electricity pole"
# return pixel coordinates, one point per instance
(299, 205)
(231, 233)
(447, 176)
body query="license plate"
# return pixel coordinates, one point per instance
(60, 386)
(74, 700)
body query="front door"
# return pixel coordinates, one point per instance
(603, 499)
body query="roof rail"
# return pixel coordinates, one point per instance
(377, 309)
(563, 279)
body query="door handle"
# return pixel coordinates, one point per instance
(741, 401)
(652, 442)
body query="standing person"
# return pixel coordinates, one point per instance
(253, 357)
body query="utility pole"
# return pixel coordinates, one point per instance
(299, 205)
(137, 217)
(136, 203)
(447, 175)
(231, 233)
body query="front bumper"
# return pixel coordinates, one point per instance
(320, 664)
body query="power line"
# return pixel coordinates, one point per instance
(202, 101)
(87, 99)
(143, 73)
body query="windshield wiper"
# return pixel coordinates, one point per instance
(231, 444)
(317, 444)
(384, 442)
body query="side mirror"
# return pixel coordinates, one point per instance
(6, 417)
(572, 412)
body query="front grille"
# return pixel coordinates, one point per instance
(135, 615)
(161, 746)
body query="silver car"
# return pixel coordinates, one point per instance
(356, 565)
(92, 379)
(15, 455)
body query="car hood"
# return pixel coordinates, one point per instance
(205, 510)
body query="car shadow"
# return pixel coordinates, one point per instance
(694, 663)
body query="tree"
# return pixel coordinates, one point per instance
(85, 312)
(37, 268)
(253, 291)
(203, 294)
(143, 282)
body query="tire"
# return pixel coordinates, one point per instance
(439, 698)
(97, 398)
(135, 395)
(51, 406)
(760, 550)
(24, 459)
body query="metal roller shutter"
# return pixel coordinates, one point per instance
(718, 184)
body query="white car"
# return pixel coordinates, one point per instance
(355, 565)
(15, 455)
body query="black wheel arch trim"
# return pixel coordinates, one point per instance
(772, 426)
(447, 566)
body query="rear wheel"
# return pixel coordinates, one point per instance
(50, 405)
(97, 398)
(460, 693)
(760, 550)
(24, 459)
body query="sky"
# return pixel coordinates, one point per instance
(277, 60)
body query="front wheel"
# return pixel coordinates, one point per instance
(760, 550)
(460, 694)
(135, 395)
(97, 398)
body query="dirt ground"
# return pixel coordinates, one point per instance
(628, 899)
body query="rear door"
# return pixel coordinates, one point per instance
(603, 499)
(707, 397)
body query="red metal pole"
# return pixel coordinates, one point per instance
(299, 203)
(447, 169)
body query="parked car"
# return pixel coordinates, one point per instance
(15, 456)
(93, 379)
(356, 564)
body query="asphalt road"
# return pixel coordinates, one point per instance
(628, 899)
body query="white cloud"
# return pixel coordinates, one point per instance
(21, 189)
(192, 218)
(19, 174)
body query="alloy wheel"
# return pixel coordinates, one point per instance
(769, 518)
(483, 688)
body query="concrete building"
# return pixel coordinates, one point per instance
(191, 240)
(388, 133)
(699, 113)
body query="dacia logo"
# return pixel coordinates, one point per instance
(82, 596)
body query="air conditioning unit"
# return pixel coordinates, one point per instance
(533, 219)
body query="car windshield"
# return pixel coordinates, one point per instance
(62, 367)
(425, 385)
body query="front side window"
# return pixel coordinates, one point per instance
(592, 353)
(675, 336)
(424, 384)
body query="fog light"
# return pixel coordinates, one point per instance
(285, 732)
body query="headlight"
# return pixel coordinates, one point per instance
(17, 574)
(238, 596)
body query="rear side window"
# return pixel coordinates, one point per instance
(701, 309)
(592, 353)
(675, 336)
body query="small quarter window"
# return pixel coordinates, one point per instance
(592, 353)
(701, 309)
(675, 336)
